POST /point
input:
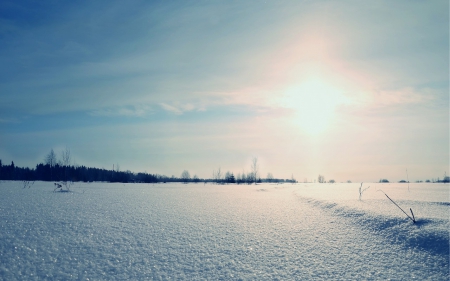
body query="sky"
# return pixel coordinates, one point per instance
(350, 90)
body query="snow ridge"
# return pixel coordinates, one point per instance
(430, 235)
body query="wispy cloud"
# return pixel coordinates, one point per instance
(404, 96)
(171, 108)
(180, 108)
(128, 111)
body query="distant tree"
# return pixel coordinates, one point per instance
(185, 176)
(195, 179)
(50, 160)
(384, 181)
(12, 171)
(293, 180)
(446, 178)
(217, 176)
(248, 178)
(427, 180)
(65, 163)
(238, 178)
(229, 177)
(321, 179)
(402, 181)
(349, 181)
(66, 157)
(269, 177)
(331, 181)
(254, 168)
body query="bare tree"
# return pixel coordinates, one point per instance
(66, 158)
(321, 179)
(195, 179)
(185, 176)
(217, 175)
(50, 160)
(254, 168)
(244, 177)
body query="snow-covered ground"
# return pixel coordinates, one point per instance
(103, 231)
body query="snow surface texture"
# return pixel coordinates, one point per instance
(103, 231)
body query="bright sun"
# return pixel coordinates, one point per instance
(314, 102)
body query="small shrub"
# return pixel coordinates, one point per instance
(27, 184)
(63, 186)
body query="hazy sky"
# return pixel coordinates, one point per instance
(353, 90)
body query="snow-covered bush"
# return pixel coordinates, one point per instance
(63, 186)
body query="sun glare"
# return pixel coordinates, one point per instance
(314, 102)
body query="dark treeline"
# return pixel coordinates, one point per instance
(57, 172)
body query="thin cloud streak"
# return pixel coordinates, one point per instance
(135, 111)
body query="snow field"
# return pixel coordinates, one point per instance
(103, 231)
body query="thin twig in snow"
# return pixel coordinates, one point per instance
(407, 178)
(411, 218)
(362, 190)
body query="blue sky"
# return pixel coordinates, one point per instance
(351, 90)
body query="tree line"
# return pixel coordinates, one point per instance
(53, 169)
(61, 169)
(252, 177)
(57, 172)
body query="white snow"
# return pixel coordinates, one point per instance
(103, 231)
